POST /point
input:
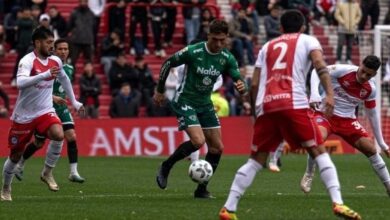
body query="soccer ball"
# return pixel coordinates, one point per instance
(200, 171)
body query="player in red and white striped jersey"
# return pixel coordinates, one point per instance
(353, 85)
(282, 110)
(34, 112)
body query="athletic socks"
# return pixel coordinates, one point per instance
(72, 152)
(311, 166)
(8, 172)
(243, 179)
(194, 156)
(380, 168)
(184, 150)
(73, 169)
(53, 153)
(213, 159)
(274, 156)
(329, 177)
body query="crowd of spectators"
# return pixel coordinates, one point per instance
(132, 83)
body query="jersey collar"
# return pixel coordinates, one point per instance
(207, 49)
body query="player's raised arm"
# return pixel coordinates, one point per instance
(324, 76)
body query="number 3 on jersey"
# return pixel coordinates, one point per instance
(280, 47)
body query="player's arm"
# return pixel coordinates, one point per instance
(239, 83)
(234, 72)
(375, 125)
(58, 100)
(65, 82)
(23, 78)
(315, 97)
(175, 60)
(324, 76)
(255, 85)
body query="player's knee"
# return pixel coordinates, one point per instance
(198, 141)
(216, 148)
(71, 136)
(58, 136)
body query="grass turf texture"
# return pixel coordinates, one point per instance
(125, 188)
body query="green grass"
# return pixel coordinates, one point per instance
(125, 188)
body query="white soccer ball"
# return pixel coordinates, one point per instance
(200, 171)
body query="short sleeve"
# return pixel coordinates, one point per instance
(260, 58)
(339, 70)
(312, 43)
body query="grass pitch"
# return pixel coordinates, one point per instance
(125, 188)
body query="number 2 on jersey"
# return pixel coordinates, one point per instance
(283, 50)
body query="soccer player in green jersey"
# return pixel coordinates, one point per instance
(61, 49)
(204, 61)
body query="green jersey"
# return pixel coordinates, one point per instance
(57, 88)
(201, 72)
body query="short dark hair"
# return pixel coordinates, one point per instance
(218, 26)
(60, 41)
(41, 33)
(372, 62)
(292, 21)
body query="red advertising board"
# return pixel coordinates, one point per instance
(152, 137)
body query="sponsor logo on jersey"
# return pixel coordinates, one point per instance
(43, 86)
(225, 54)
(269, 98)
(342, 94)
(60, 89)
(222, 61)
(211, 71)
(182, 51)
(198, 50)
(207, 81)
